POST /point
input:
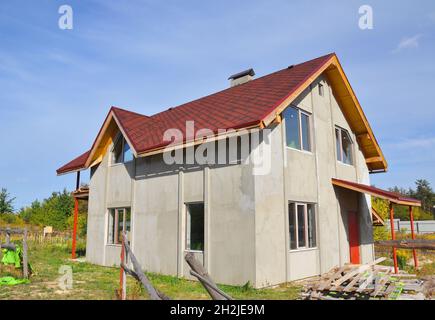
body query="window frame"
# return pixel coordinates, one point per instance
(187, 238)
(301, 139)
(112, 239)
(296, 204)
(321, 89)
(339, 157)
(123, 142)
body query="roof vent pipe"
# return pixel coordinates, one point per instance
(241, 77)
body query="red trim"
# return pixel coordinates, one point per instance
(393, 237)
(353, 227)
(414, 252)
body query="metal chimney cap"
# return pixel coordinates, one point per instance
(249, 72)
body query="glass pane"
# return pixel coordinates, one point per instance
(292, 225)
(128, 155)
(117, 151)
(305, 122)
(311, 226)
(301, 226)
(337, 144)
(111, 231)
(120, 224)
(291, 116)
(196, 224)
(347, 147)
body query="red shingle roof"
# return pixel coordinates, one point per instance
(236, 107)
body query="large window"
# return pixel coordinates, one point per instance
(297, 127)
(343, 146)
(302, 225)
(195, 226)
(121, 151)
(119, 221)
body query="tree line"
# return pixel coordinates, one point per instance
(55, 211)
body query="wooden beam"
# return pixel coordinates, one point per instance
(393, 237)
(408, 244)
(373, 159)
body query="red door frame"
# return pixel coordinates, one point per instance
(353, 227)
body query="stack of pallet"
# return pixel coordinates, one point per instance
(368, 281)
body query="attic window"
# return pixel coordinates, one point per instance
(321, 90)
(121, 152)
(344, 146)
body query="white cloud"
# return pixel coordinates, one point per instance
(416, 143)
(408, 43)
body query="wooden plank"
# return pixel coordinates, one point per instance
(350, 286)
(369, 279)
(408, 244)
(379, 285)
(325, 285)
(360, 269)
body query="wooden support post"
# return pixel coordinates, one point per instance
(204, 278)
(25, 256)
(122, 277)
(414, 252)
(74, 236)
(393, 237)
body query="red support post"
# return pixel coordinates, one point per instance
(393, 237)
(74, 237)
(414, 252)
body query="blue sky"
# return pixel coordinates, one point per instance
(56, 86)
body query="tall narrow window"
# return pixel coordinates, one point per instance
(119, 222)
(121, 152)
(302, 226)
(297, 126)
(195, 226)
(343, 145)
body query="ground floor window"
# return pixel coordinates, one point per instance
(195, 226)
(119, 221)
(302, 225)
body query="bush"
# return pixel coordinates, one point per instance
(380, 233)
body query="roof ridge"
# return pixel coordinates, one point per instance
(243, 84)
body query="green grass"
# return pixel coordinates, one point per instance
(91, 282)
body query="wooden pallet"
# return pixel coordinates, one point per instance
(367, 281)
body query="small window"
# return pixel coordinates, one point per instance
(321, 93)
(195, 226)
(302, 226)
(343, 146)
(297, 126)
(119, 222)
(121, 152)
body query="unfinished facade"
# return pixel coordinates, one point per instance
(286, 223)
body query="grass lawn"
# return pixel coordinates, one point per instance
(93, 282)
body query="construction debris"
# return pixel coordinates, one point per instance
(363, 282)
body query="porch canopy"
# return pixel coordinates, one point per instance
(393, 198)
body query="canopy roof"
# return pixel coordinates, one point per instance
(388, 195)
(256, 103)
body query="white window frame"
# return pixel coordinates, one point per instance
(310, 140)
(188, 229)
(305, 205)
(116, 223)
(340, 141)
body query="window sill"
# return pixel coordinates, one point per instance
(301, 151)
(303, 249)
(113, 245)
(120, 164)
(194, 251)
(345, 164)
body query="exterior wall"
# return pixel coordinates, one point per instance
(246, 215)
(157, 194)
